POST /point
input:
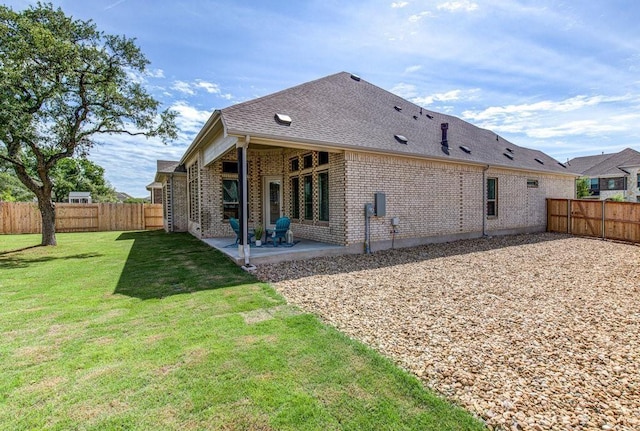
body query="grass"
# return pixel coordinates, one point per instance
(147, 330)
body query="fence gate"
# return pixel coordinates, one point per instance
(596, 218)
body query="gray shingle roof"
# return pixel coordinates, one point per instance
(339, 111)
(605, 164)
(168, 166)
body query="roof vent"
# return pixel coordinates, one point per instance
(397, 108)
(415, 117)
(401, 139)
(539, 161)
(465, 149)
(508, 156)
(355, 77)
(509, 150)
(444, 127)
(430, 117)
(283, 119)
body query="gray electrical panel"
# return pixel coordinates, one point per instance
(381, 204)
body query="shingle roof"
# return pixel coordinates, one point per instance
(343, 112)
(168, 166)
(605, 164)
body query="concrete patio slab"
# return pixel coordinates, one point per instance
(302, 249)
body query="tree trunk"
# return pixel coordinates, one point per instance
(48, 213)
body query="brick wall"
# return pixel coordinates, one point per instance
(431, 199)
(435, 199)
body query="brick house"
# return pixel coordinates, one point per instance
(319, 152)
(610, 174)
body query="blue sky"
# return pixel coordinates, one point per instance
(559, 76)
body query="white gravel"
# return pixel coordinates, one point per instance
(530, 332)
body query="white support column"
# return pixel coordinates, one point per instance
(244, 248)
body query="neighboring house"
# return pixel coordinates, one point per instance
(611, 174)
(122, 196)
(79, 197)
(318, 152)
(172, 178)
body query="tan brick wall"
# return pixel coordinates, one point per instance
(175, 203)
(520, 206)
(441, 199)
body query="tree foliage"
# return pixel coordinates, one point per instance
(582, 188)
(81, 175)
(63, 84)
(11, 189)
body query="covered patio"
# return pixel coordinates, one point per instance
(265, 254)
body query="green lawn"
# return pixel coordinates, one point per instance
(155, 331)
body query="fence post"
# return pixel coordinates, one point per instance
(568, 216)
(603, 222)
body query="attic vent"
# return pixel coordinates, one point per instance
(509, 150)
(397, 108)
(355, 77)
(539, 161)
(508, 156)
(400, 139)
(465, 149)
(283, 119)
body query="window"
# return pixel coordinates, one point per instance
(323, 196)
(532, 184)
(492, 197)
(638, 185)
(611, 184)
(194, 193)
(594, 187)
(230, 199)
(307, 161)
(308, 197)
(230, 167)
(295, 197)
(294, 165)
(323, 158)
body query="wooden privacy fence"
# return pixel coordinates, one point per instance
(24, 217)
(603, 219)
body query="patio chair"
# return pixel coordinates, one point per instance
(235, 225)
(279, 231)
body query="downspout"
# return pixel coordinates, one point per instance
(484, 200)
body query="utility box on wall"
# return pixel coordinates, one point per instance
(381, 204)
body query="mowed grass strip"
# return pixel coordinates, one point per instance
(148, 330)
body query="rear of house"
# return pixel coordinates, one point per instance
(319, 153)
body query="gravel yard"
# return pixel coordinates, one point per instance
(529, 332)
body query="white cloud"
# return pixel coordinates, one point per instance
(412, 69)
(155, 73)
(183, 87)
(455, 6)
(399, 4)
(190, 119)
(417, 17)
(527, 109)
(208, 86)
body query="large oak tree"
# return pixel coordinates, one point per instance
(63, 84)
